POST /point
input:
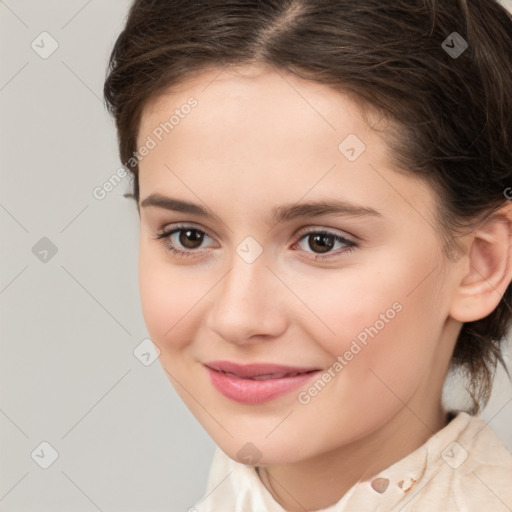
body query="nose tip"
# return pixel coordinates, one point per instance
(247, 304)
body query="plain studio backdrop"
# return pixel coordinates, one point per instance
(86, 423)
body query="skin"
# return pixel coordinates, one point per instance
(259, 138)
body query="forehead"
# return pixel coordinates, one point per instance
(267, 134)
(256, 116)
(258, 92)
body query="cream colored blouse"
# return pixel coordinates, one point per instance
(463, 467)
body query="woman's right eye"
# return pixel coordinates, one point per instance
(182, 240)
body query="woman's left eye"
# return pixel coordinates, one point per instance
(322, 244)
(186, 240)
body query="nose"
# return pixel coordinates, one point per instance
(248, 303)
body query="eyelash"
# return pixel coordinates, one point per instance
(164, 236)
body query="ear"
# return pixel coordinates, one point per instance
(486, 268)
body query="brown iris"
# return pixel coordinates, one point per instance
(191, 238)
(321, 242)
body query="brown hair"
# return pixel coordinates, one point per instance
(451, 112)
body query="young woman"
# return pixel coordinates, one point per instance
(325, 233)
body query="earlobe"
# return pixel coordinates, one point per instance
(488, 268)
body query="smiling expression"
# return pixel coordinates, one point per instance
(263, 240)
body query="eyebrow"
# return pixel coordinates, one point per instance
(281, 213)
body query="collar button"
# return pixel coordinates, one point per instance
(380, 484)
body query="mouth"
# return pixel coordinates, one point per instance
(258, 370)
(256, 383)
(264, 377)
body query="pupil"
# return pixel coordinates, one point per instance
(189, 237)
(323, 242)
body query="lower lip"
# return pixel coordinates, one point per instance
(250, 391)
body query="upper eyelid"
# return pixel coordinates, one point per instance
(177, 226)
(330, 231)
(171, 229)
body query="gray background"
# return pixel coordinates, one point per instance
(71, 320)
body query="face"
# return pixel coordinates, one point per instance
(237, 264)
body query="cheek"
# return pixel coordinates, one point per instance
(404, 352)
(346, 305)
(382, 325)
(167, 298)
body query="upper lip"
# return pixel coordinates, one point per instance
(257, 369)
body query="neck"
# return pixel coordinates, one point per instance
(322, 481)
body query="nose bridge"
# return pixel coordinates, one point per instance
(248, 264)
(244, 282)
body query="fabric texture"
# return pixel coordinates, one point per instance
(463, 467)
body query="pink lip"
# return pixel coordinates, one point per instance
(236, 381)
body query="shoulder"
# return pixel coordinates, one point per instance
(485, 476)
(473, 471)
